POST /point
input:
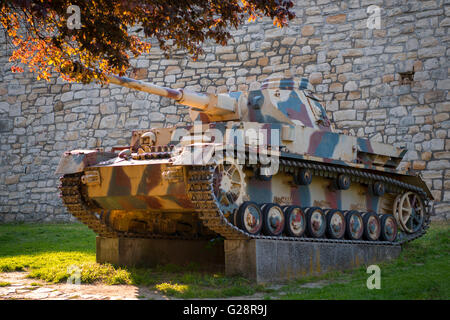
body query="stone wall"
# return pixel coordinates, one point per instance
(356, 70)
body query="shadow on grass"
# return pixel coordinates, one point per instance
(22, 239)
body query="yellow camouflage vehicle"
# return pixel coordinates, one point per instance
(265, 163)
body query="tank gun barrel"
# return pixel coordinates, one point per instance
(211, 104)
(191, 99)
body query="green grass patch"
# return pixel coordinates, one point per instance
(4, 284)
(189, 284)
(55, 252)
(35, 284)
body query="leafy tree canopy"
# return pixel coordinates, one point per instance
(45, 36)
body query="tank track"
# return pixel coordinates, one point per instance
(201, 193)
(72, 196)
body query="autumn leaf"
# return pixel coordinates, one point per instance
(39, 31)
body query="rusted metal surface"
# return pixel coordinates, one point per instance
(263, 164)
(77, 160)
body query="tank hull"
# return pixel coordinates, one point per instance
(141, 187)
(157, 199)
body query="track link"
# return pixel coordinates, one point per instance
(71, 194)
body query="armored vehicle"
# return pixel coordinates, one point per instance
(266, 163)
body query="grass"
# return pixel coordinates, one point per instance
(187, 283)
(53, 252)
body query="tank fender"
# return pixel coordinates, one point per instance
(76, 160)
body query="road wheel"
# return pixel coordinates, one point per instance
(354, 225)
(372, 226)
(249, 218)
(273, 220)
(316, 222)
(335, 224)
(295, 221)
(388, 227)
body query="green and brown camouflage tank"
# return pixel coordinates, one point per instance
(265, 163)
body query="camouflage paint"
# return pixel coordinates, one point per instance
(322, 144)
(281, 189)
(294, 108)
(260, 191)
(301, 195)
(77, 160)
(138, 187)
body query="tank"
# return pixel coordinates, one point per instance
(262, 164)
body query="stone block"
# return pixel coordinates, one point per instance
(337, 19)
(307, 30)
(266, 261)
(6, 125)
(154, 252)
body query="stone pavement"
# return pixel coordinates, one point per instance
(20, 287)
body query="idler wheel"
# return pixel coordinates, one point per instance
(316, 222)
(335, 224)
(409, 210)
(249, 218)
(295, 221)
(372, 226)
(303, 177)
(388, 227)
(228, 184)
(273, 220)
(378, 189)
(354, 225)
(343, 182)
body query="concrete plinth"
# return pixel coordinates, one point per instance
(270, 261)
(153, 252)
(258, 260)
